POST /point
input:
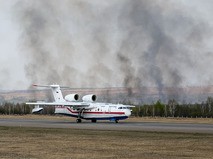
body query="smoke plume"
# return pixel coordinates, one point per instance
(128, 43)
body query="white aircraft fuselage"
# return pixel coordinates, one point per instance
(98, 111)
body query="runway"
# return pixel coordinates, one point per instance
(103, 125)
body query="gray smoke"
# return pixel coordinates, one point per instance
(4, 77)
(129, 43)
(152, 41)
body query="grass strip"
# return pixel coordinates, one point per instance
(25, 142)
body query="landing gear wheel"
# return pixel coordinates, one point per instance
(93, 120)
(116, 121)
(78, 120)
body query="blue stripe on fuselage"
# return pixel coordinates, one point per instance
(107, 118)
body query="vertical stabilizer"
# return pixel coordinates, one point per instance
(57, 94)
(56, 90)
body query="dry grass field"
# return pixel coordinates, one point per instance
(20, 142)
(25, 142)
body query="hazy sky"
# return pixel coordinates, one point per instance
(89, 28)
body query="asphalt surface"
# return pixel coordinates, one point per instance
(103, 125)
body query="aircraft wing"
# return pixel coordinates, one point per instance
(75, 105)
(130, 106)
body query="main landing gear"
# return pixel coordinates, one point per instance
(93, 120)
(78, 120)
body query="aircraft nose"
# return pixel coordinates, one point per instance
(127, 112)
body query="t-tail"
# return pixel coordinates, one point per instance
(56, 90)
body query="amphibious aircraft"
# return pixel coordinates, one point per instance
(88, 109)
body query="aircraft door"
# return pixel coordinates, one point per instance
(111, 108)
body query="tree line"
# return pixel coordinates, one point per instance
(174, 109)
(170, 109)
(22, 109)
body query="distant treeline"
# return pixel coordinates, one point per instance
(174, 109)
(171, 109)
(22, 109)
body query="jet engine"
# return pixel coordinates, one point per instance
(37, 109)
(89, 98)
(72, 97)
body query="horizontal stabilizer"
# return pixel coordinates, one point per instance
(50, 86)
(79, 104)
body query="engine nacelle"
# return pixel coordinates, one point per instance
(89, 98)
(72, 97)
(37, 109)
